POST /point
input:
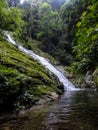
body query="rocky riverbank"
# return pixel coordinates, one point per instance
(87, 80)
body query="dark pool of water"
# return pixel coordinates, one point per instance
(75, 110)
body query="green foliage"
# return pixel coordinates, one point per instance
(45, 8)
(80, 18)
(1, 4)
(50, 28)
(87, 38)
(10, 18)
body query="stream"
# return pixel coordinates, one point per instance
(74, 110)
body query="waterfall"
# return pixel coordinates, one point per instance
(67, 84)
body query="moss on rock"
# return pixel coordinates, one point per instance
(22, 79)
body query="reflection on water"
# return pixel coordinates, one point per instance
(75, 110)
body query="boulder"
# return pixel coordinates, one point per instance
(95, 78)
(89, 79)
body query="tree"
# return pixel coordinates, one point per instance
(87, 38)
(31, 17)
(10, 18)
(49, 27)
(14, 3)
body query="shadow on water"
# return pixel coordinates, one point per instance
(75, 110)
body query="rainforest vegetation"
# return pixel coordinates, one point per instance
(65, 29)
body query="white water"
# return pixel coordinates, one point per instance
(67, 84)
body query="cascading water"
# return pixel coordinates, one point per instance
(67, 84)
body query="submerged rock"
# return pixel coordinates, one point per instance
(47, 98)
